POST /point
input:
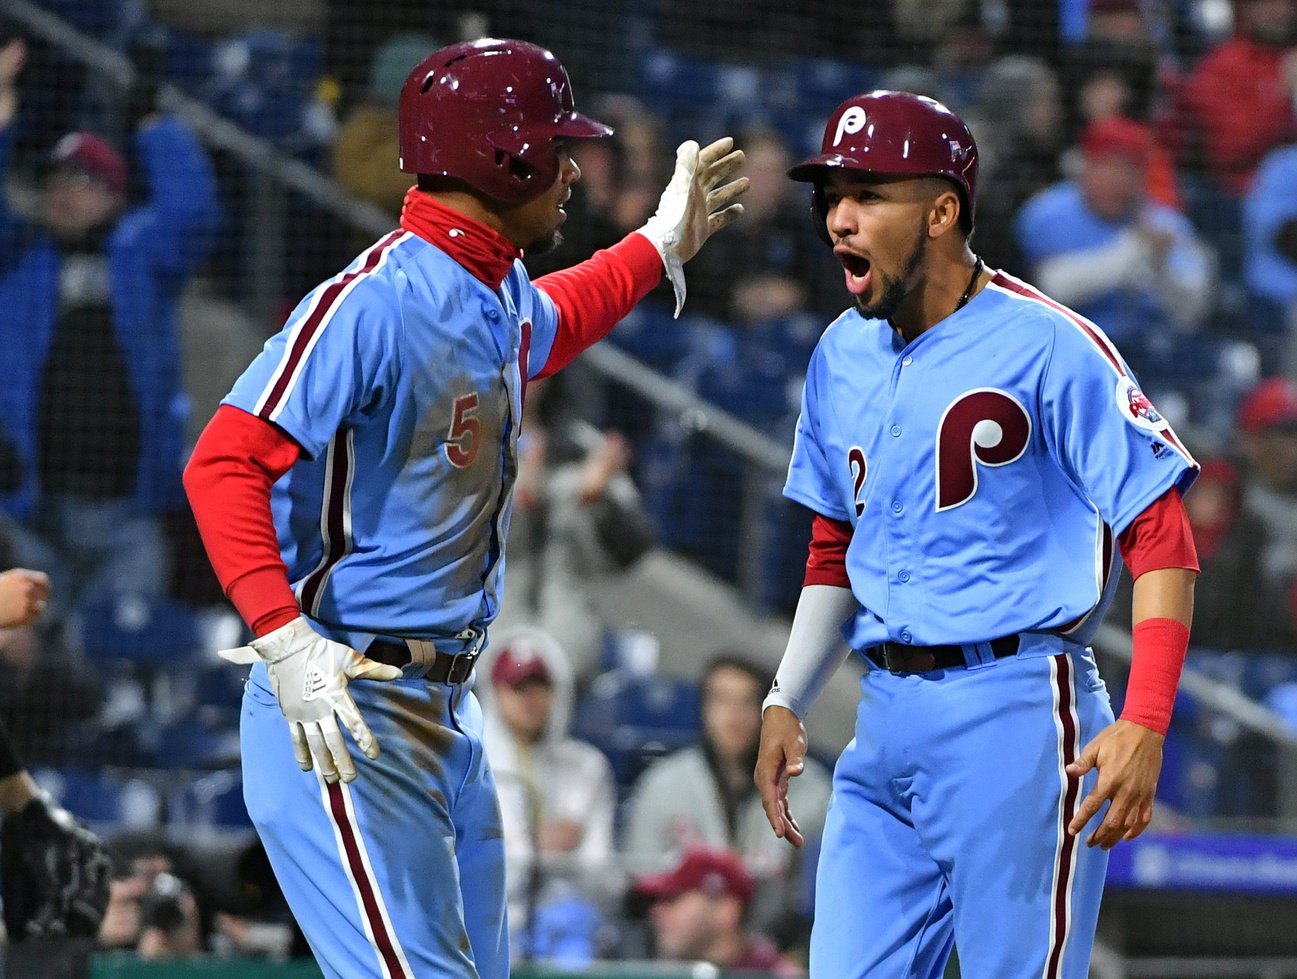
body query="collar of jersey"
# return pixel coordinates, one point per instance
(485, 253)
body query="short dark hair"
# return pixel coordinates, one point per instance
(728, 659)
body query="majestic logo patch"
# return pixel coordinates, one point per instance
(1137, 409)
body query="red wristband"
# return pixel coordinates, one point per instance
(1158, 658)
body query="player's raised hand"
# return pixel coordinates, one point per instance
(309, 675)
(699, 201)
(780, 757)
(1128, 758)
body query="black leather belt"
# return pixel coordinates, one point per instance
(444, 668)
(899, 658)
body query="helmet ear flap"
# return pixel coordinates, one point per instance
(820, 214)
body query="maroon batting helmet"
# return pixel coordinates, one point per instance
(894, 133)
(488, 113)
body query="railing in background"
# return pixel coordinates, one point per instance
(765, 458)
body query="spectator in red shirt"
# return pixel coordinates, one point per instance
(698, 910)
(1240, 97)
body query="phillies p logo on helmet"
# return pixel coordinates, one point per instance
(852, 121)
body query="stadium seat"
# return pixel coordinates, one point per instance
(207, 738)
(148, 630)
(122, 801)
(634, 719)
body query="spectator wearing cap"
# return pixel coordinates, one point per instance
(698, 911)
(1116, 61)
(1101, 246)
(1239, 98)
(90, 382)
(1267, 422)
(557, 794)
(704, 795)
(365, 155)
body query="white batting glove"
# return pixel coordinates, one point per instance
(696, 203)
(309, 675)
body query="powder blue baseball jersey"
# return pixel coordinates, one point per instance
(400, 380)
(985, 467)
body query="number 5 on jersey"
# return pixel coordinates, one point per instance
(462, 439)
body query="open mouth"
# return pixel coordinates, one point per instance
(857, 270)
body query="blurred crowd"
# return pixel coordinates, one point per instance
(1138, 162)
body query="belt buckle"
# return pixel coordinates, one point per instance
(461, 667)
(907, 662)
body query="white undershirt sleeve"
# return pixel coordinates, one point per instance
(815, 647)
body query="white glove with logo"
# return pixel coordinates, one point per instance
(309, 675)
(696, 204)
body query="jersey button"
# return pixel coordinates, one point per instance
(904, 576)
(493, 314)
(896, 431)
(907, 360)
(906, 635)
(897, 506)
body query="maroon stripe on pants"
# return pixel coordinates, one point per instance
(1061, 891)
(312, 325)
(368, 900)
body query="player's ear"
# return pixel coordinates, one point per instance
(944, 211)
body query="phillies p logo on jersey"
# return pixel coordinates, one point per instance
(984, 427)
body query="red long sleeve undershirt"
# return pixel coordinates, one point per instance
(239, 457)
(596, 295)
(237, 460)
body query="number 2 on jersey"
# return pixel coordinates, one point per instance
(859, 467)
(462, 439)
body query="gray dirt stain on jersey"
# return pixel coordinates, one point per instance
(468, 465)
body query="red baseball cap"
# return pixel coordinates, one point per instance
(1116, 136)
(1271, 404)
(519, 661)
(92, 155)
(714, 872)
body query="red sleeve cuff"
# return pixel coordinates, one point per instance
(1160, 537)
(1156, 664)
(826, 562)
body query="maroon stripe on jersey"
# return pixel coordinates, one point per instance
(1067, 842)
(1005, 282)
(364, 887)
(524, 360)
(336, 543)
(302, 342)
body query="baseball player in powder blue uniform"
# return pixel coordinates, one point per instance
(353, 493)
(976, 456)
